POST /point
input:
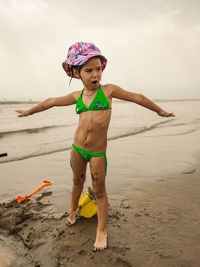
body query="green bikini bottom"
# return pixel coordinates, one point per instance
(88, 155)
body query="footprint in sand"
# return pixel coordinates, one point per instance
(160, 180)
(189, 171)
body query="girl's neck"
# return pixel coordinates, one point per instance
(87, 91)
(90, 92)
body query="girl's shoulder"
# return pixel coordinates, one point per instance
(109, 88)
(76, 94)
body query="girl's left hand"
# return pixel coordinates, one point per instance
(163, 113)
(22, 113)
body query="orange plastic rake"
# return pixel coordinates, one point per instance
(28, 197)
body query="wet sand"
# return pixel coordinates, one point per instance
(153, 185)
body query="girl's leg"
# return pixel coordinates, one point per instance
(79, 166)
(97, 168)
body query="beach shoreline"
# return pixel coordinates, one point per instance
(155, 225)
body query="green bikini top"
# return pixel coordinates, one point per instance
(100, 102)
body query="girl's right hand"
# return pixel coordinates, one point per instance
(163, 113)
(22, 113)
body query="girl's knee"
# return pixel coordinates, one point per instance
(98, 177)
(79, 180)
(100, 193)
(99, 189)
(98, 184)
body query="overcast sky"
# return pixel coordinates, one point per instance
(152, 46)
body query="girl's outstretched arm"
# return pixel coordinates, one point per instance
(139, 99)
(67, 100)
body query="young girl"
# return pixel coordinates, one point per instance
(93, 104)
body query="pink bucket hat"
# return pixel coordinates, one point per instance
(79, 53)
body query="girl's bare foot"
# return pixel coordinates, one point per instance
(72, 217)
(101, 241)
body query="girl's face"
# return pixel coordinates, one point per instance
(91, 73)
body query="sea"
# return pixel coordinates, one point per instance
(52, 130)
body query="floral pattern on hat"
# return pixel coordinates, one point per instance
(79, 53)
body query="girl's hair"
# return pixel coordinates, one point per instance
(79, 67)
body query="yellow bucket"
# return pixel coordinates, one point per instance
(87, 204)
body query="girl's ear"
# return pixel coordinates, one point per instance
(76, 73)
